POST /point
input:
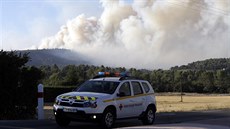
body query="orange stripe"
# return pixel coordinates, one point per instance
(126, 97)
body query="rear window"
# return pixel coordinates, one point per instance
(145, 86)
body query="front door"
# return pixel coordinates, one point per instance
(122, 101)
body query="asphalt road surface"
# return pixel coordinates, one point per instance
(216, 119)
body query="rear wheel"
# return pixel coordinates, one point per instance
(149, 116)
(61, 120)
(108, 119)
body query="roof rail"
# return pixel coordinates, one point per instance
(122, 75)
(127, 78)
(110, 74)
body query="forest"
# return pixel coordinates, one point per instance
(208, 76)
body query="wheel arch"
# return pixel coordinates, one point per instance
(152, 105)
(113, 108)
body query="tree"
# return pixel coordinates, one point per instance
(181, 79)
(70, 75)
(18, 86)
(222, 81)
(156, 80)
(207, 79)
(55, 69)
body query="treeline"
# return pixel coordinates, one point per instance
(173, 80)
(209, 64)
(72, 75)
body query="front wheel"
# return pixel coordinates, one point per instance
(108, 119)
(149, 116)
(61, 120)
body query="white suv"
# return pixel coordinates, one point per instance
(105, 99)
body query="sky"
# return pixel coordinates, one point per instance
(128, 33)
(25, 22)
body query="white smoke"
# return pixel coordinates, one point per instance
(149, 33)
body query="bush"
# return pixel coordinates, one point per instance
(50, 93)
(18, 86)
(228, 90)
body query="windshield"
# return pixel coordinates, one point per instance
(107, 87)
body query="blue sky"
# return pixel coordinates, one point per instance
(25, 22)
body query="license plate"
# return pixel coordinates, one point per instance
(69, 110)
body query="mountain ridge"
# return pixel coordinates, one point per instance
(60, 57)
(207, 64)
(64, 57)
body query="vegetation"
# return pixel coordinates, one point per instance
(209, 64)
(18, 86)
(209, 76)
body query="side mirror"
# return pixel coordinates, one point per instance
(121, 94)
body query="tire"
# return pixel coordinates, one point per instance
(61, 120)
(108, 119)
(149, 116)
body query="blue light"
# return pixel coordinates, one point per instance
(101, 73)
(115, 74)
(123, 74)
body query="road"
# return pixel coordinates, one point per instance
(180, 120)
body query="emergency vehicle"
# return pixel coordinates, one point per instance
(106, 98)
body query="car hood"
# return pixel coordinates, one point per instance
(84, 95)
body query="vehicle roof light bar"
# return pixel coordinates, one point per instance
(111, 74)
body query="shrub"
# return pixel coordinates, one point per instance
(18, 86)
(50, 93)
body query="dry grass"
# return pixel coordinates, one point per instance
(171, 103)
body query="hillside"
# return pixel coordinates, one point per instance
(209, 64)
(60, 57)
(63, 57)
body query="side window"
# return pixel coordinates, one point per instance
(137, 88)
(125, 88)
(145, 86)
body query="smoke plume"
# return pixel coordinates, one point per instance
(149, 33)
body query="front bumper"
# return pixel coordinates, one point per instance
(79, 115)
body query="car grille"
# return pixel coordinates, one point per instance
(71, 105)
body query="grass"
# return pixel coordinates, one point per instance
(195, 102)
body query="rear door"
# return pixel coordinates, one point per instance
(138, 99)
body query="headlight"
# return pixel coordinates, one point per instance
(94, 105)
(57, 101)
(90, 104)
